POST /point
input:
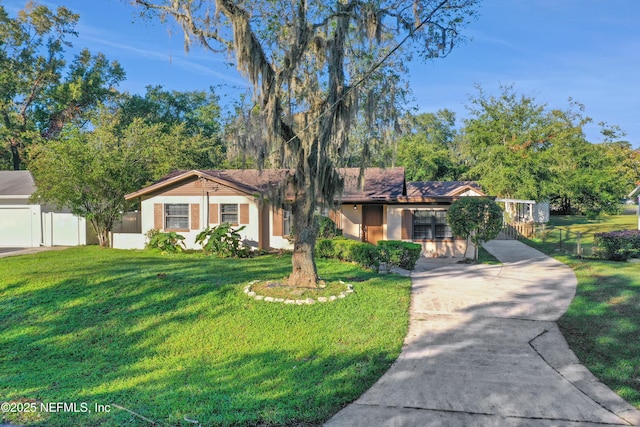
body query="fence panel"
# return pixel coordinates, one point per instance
(564, 240)
(556, 239)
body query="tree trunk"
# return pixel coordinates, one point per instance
(15, 157)
(304, 273)
(102, 233)
(103, 238)
(466, 248)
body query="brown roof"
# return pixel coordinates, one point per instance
(375, 185)
(429, 189)
(379, 184)
(248, 181)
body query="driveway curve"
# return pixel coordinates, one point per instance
(484, 349)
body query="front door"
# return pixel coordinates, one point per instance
(372, 229)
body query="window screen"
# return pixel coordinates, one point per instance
(176, 217)
(430, 225)
(229, 213)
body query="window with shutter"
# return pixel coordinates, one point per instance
(176, 216)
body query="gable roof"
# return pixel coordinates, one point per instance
(438, 189)
(379, 184)
(247, 181)
(16, 184)
(376, 185)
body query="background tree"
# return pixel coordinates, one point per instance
(35, 99)
(476, 219)
(516, 147)
(312, 64)
(90, 172)
(196, 112)
(501, 142)
(428, 151)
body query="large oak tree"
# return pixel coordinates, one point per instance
(39, 91)
(313, 65)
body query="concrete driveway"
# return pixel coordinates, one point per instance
(5, 252)
(483, 349)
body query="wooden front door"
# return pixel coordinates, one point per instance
(372, 229)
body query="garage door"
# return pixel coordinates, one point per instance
(15, 227)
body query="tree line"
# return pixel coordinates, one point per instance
(516, 147)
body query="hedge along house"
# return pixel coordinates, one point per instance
(376, 205)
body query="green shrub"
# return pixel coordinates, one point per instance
(475, 219)
(400, 254)
(365, 255)
(617, 245)
(342, 248)
(326, 228)
(223, 241)
(169, 242)
(325, 248)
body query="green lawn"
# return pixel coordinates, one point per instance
(602, 324)
(174, 337)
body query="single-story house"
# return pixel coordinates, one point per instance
(384, 207)
(24, 224)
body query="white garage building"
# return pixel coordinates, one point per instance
(25, 225)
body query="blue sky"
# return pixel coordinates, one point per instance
(552, 50)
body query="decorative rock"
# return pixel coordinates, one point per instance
(247, 290)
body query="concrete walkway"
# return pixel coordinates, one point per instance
(483, 349)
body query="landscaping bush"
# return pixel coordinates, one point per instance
(393, 253)
(170, 242)
(363, 254)
(342, 248)
(223, 241)
(325, 248)
(617, 245)
(326, 228)
(400, 254)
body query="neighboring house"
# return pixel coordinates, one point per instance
(25, 224)
(384, 207)
(525, 211)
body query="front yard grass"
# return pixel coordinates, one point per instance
(602, 324)
(174, 338)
